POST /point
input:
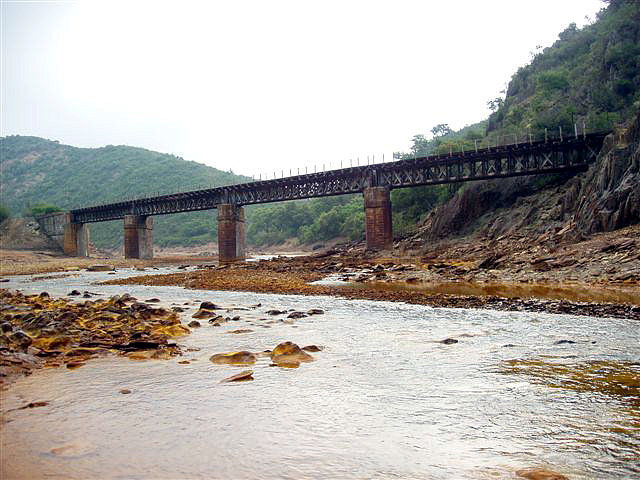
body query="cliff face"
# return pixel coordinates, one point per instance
(604, 198)
(609, 193)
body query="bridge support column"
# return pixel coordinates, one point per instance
(138, 236)
(377, 215)
(231, 239)
(76, 238)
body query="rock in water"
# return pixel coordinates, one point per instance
(194, 324)
(203, 314)
(313, 348)
(449, 341)
(315, 311)
(539, 474)
(297, 315)
(208, 306)
(289, 352)
(240, 377)
(234, 358)
(101, 268)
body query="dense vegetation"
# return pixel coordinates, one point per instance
(4, 213)
(589, 75)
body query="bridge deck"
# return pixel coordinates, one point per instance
(570, 154)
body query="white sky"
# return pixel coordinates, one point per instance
(259, 86)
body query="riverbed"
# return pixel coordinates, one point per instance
(384, 399)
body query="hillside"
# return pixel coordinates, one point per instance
(591, 77)
(35, 170)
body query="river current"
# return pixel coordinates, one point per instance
(384, 399)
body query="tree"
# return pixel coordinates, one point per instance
(495, 104)
(441, 130)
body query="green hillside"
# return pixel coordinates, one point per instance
(36, 171)
(589, 75)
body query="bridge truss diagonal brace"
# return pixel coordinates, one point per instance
(231, 234)
(138, 236)
(377, 215)
(76, 237)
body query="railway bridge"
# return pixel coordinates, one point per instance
(374, 181)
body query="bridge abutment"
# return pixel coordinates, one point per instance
(231, 237)
(138, 236)
(377, 215)
(75, 238)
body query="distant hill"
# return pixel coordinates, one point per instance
(36, 170)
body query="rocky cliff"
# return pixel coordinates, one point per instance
(604, 198)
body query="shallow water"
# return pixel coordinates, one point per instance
(383, 400)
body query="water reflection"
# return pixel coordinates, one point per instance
(384, 398)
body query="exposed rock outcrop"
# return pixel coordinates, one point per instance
(604, 198)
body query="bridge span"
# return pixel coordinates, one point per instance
(374, 181)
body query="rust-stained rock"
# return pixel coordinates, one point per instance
(289, 352)
(313, 348)
(75, 364)
(284, 364)
(234, 358)
(240, 377)
(540, 474)
(203, 314)
(64, 333)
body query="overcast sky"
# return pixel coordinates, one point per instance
(259, 86)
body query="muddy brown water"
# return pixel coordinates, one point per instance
(384, 399)
(574, 293)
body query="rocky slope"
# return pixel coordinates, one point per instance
(24, 233)
(604, 198)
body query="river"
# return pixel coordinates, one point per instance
(384, 399)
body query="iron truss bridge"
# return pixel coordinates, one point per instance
(570, 154)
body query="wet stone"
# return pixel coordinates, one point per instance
(297, 315)
(540, 474)
(203, 314)
(275, 312)
(234, 358)
(449, 341)
(289, 352)
(315, 311)
(194, 324)
(240, 377)
(208, 306)
(313, 348)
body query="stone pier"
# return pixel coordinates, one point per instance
(231, 239)
(377, 214)
(138, 236)
(76, 238)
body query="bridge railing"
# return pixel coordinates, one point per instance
(447, 147)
